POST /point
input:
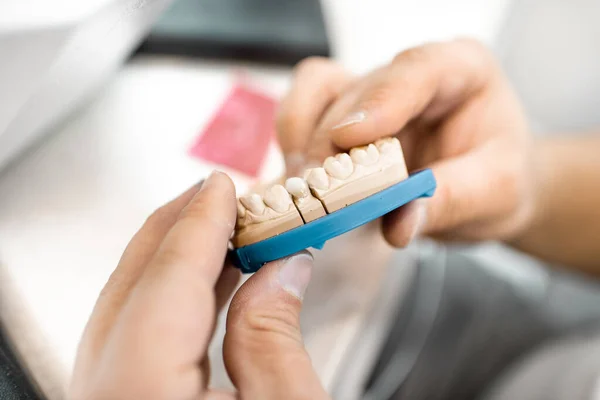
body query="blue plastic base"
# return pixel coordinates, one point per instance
(314, 234)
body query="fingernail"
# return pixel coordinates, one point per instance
(421, 219)
(295, 272)
(200, 183)
(351, 119)
(207, 182)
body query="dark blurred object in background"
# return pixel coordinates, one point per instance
(14, 382)
(272, 31)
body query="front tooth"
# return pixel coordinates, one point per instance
(317, 178)
(278, 198)
(254, 203)
(388, 145)
(297, 187)
(365, 155)
(340, 166)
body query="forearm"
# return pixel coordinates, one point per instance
(565, 227)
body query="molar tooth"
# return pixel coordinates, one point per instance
(297, 187)
(278, 198)
(254, 203)
(365, 155)
(340, 166)
(317, 178)
(388, 145)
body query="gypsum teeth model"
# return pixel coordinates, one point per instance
(344, 179)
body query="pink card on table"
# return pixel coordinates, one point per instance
(239, 134)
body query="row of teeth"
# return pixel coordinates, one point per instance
(339, 167)
(277, 197)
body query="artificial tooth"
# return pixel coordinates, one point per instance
(365, 155)
(388, 145)
(254, 203)
(297, 187)
(278, 198)
(317, 178)
(340, 166)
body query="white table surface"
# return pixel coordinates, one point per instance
(70, 205)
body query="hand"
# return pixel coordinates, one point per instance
(149, 332)
(453, 111)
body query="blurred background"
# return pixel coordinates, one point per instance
(109, 108)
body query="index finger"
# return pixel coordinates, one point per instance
(197, 243)
(425, 82)
(316, 83)
(166, 325)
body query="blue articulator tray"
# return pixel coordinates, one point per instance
(314, 234)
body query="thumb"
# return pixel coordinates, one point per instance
(476, 198)
(263, 349)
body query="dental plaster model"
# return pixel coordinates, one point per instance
(260, 217)
(343, 180)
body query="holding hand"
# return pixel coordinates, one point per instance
(453, 111)
(150, 330)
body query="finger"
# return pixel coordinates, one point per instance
(263, 349)
(405, 224)
(452, 204)
(316, 83)
(426, 82)
(477, 186)
(164, 329)
(145, 242)
(199, 238)
(230, 276)
(214, 394)
(137, 254)
(225, 286)
(205, 371)
(488, 191)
